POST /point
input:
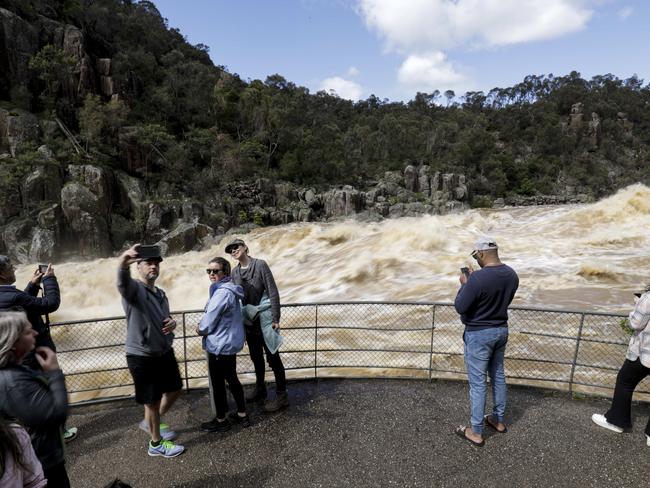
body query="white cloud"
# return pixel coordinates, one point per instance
(625, 12)
(434, 25)
(353, 71)
(342, 87)
(430, 71)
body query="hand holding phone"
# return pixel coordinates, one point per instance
(465, 271)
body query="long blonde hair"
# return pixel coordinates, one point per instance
(12, 325)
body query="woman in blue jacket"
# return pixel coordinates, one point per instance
(222, 329)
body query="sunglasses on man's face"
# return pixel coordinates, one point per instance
(475, 255)
(213, 271)
(234, 248)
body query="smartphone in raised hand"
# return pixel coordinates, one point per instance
(465, 271)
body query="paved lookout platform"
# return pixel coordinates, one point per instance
(366, 433)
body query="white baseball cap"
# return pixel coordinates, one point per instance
(485, 243)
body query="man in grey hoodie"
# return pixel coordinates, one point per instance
(149, 351)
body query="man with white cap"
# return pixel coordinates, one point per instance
(482, 302)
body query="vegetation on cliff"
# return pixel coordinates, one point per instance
(138, 97)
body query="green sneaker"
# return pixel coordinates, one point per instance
(165, 431)
(165, 449)
(69, 434)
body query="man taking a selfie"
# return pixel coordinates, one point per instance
(149, 351)
(482, 302)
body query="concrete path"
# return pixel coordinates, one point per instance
(366, 433)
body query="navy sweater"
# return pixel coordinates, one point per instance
(483, 301)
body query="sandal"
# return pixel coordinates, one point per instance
(489, 423)
(460, 432)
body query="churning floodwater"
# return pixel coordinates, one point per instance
(586, 257)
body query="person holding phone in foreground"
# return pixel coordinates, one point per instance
(635, 368)
(149, 352)
(11, 298)
(482, 302)
(38, 400)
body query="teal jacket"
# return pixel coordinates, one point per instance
(272, 338)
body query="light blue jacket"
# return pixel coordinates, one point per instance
(222, 325)
(272, 338)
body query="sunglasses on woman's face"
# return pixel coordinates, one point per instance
(213, 271)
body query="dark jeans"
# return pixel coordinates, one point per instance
(630, 375)
(257, 348)
(57, 477)
(224, 368)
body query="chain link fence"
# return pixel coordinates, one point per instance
(575, 351)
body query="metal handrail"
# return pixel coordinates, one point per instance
(442, 344)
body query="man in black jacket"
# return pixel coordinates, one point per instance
(11, 298)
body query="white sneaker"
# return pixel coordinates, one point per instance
(647, 440)
(600, 420)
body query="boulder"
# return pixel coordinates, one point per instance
(43, 246)
(99, 181)
(17, 239)
(85, 216)
(185, 237)
(42, 185)
(594, 131)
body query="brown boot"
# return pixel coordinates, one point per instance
(278, 403)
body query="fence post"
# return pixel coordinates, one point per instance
(433, 326)
(316, 345)
(575, 354)
(187, 381)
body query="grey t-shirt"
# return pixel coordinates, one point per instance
(145, 311)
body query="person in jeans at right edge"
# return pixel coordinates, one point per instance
(255, 276)
(482, 302)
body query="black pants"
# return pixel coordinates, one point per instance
(257, 348)
(57, 477)
(630, 375)
(224, 368)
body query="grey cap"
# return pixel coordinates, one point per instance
(485, 243)
(233, 243)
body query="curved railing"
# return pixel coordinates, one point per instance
(571, 350)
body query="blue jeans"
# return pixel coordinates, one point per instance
(484, 353)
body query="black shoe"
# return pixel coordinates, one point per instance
(278, 403)
(236, 419)
(258, 395)
(215, 426)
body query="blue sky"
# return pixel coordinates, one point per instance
(394, 48)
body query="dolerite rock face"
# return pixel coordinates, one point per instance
(17, 127)
(18, 42)
(342, 202)
(411, 178)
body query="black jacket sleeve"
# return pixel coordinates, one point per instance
(40, 305)
(39, 401)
